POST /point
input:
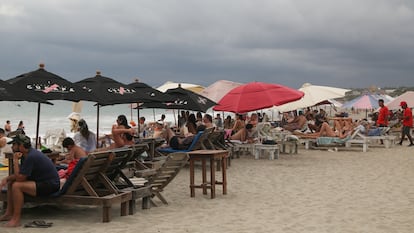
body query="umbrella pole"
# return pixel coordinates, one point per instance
(37, 125)
(97, 125)
(139, 125)
(175, 118)
(153, 113)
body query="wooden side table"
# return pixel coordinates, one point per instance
(212, 156)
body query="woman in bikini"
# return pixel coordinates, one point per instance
(122, 133)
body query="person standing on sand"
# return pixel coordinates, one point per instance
(7, 127)
(36, 176)
(383, 114)
(407, 123)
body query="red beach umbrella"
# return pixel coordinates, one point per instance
(256, 95)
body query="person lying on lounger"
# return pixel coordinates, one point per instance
(341, 131)
(248, 133)
(181, 143)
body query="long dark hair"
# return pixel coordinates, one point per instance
(83, 129)
(122, 120)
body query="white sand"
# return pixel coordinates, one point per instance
(313, 191)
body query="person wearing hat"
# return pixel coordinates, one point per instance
(407, 122)
(35, 176)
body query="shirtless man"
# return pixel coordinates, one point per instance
(7, 127)
(298, 123)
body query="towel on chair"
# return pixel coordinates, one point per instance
(331, 140)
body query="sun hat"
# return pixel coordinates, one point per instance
(21, 139)
(403, 103)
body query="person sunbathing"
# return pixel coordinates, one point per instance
(181, 143)
(248, 133)
(122, 133)
(298, 123)
(342, 131)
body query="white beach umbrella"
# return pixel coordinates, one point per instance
(189, 86)
(314, 94)
(407, 97)
(217, 90)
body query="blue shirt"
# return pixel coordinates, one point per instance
(39, 168)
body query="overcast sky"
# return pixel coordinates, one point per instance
(342, 43)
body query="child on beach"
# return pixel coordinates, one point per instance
(71, 159)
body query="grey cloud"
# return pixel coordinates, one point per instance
(341, 43)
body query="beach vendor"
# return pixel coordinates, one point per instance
(407, 122)
(35, 176)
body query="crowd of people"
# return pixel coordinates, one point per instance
(37, 175)
(313, 124)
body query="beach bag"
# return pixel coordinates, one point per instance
(269, 142)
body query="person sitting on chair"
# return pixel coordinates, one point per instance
(181, 143)
(36, 176)
(71, 159)
(84, 137)
(248, 133)
(298, 123)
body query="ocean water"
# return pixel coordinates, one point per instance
(56, 116)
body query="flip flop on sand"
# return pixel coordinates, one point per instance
(38, 224)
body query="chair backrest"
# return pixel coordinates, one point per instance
(75, 172)
(168, 170)
(91, 175)
(138, 149)
(202, 140)
(196, 141)
(121, 157)
(216, 140)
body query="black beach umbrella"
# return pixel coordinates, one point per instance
(153, 95)
(8, 92)
(108, 91)
(183, 99)
(48, 86)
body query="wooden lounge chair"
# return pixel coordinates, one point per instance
(216, 141)
(166, 173)
(122, 182)
(198, 143)
(87, 185)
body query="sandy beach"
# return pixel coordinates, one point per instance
(313, 191)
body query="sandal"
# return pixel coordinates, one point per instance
(38, 224)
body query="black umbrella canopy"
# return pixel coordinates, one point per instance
(49, 86)
(152, 94)
(110, 91)
(10, 93)
(183, 99)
